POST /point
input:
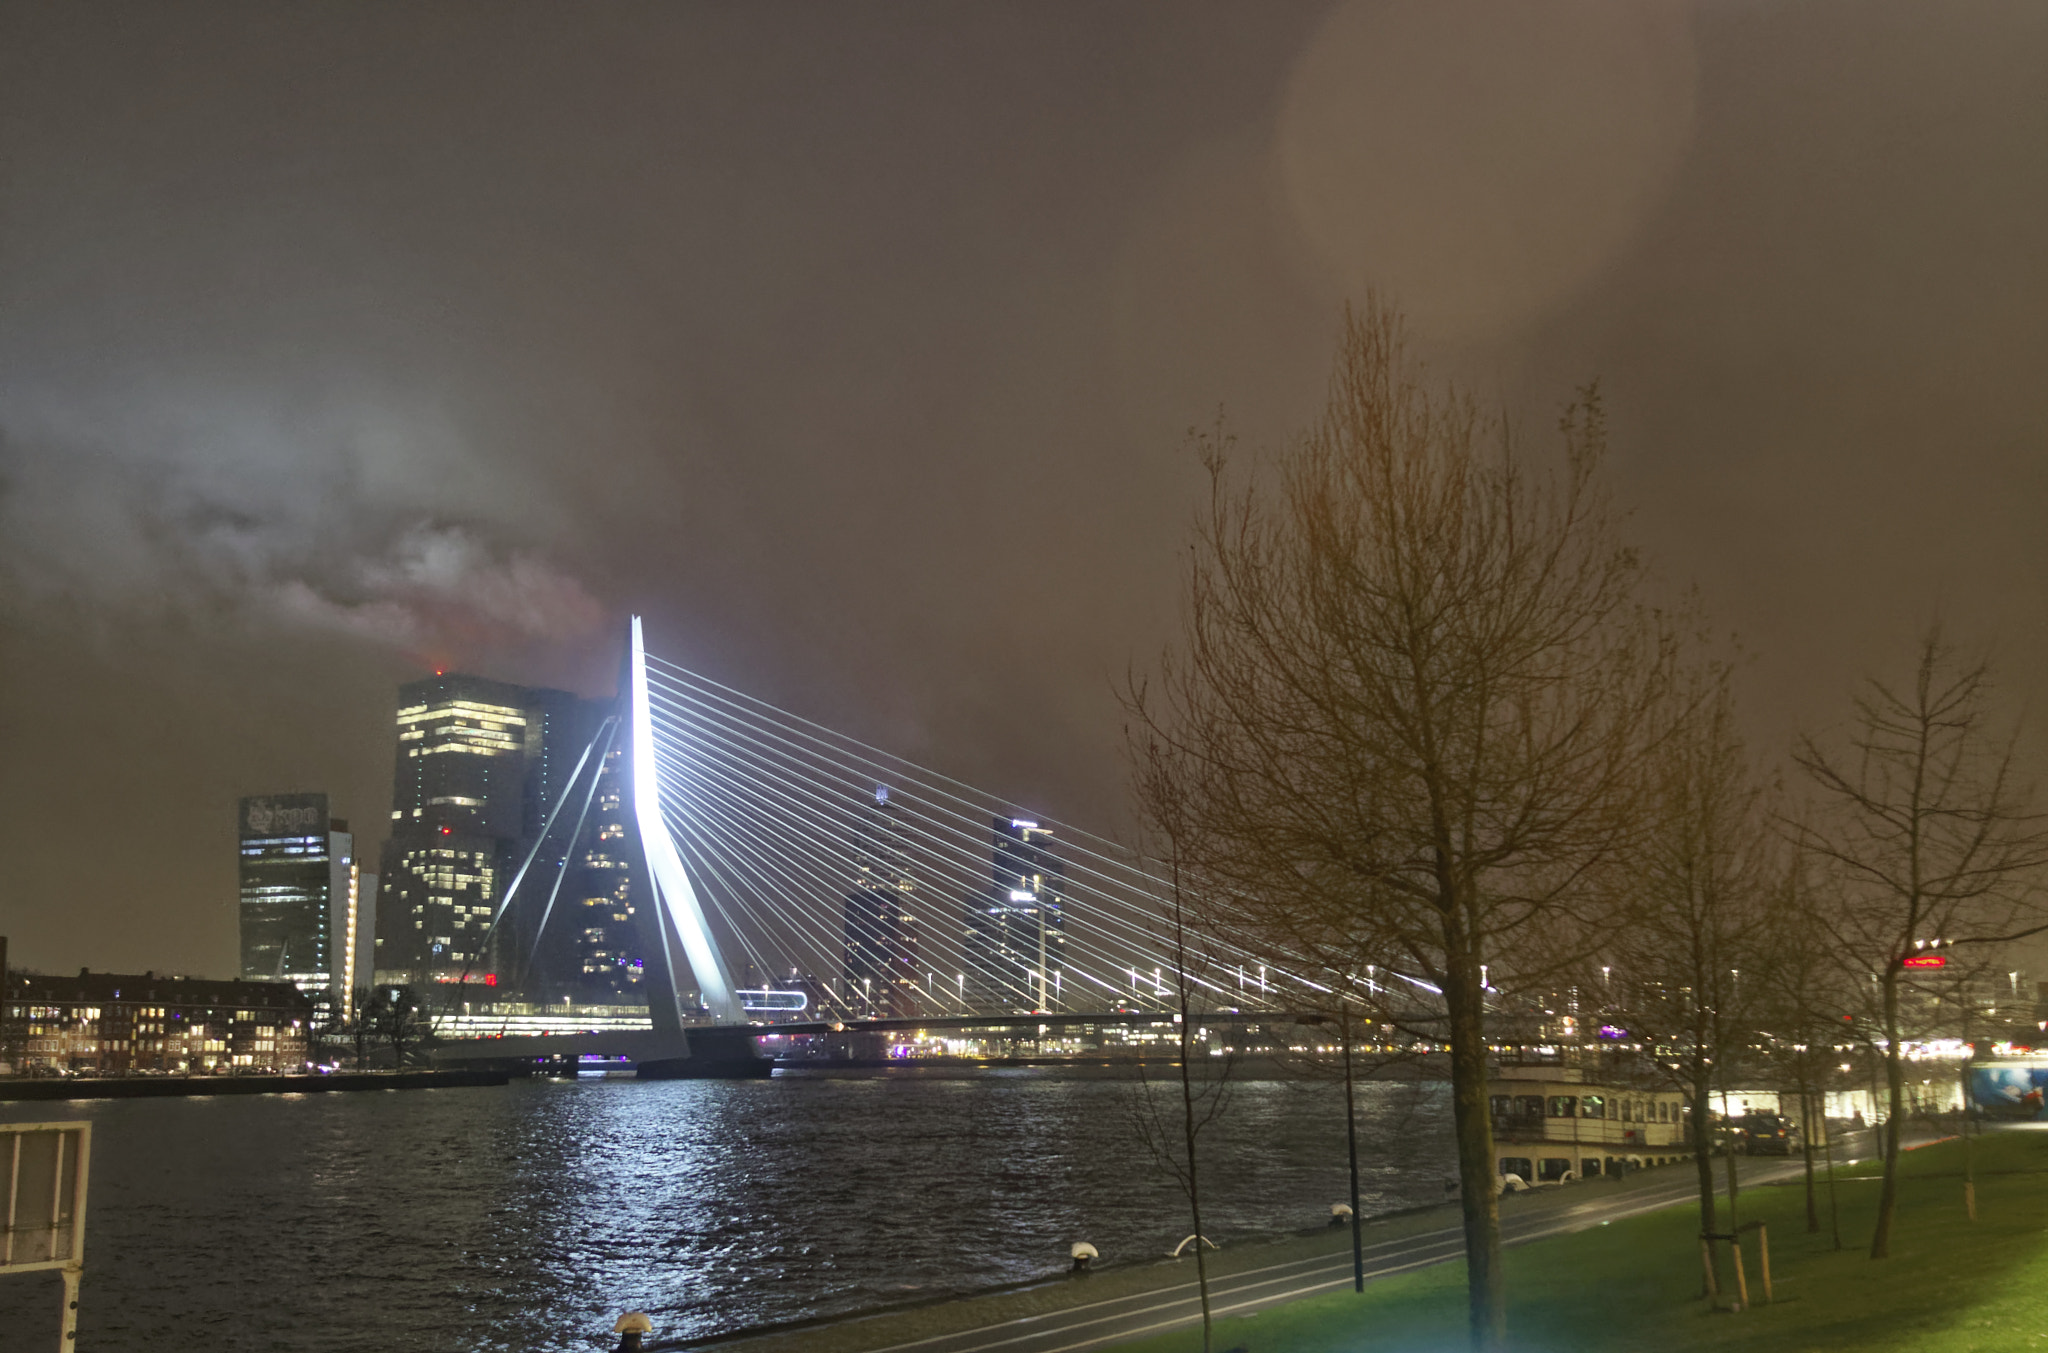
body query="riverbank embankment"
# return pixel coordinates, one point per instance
(1122, 1299)
(47, 1090)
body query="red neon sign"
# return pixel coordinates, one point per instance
(1924, 961)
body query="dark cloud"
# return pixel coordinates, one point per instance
(854, 346)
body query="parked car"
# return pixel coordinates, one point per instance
(1767, 1134)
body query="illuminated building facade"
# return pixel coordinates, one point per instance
(881, 929)
(481, 768)
(113, 1023)
(602, 923)
(306, 911)
(1017, 930)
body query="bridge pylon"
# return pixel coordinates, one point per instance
(678, 909)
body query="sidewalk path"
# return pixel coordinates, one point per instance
(1131, 1303)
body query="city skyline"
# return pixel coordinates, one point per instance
(1029, 677)
(413, 388)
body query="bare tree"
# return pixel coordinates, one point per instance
(1935, 843)
(1173, 1137)
(1804, 1002)
(360, 1028)
(1408, 712)
(401, 1023)
(1702, 874)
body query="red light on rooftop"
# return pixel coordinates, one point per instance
(1924, 961)
(447, 831)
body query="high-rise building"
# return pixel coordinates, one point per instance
(303, 907)
(1017, 930)
(602, 923)
(361, 973)
(482, 767)
(881, 929)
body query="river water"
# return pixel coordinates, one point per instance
(526, 1217)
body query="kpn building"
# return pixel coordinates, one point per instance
(308, 912)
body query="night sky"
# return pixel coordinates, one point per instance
(854, 346)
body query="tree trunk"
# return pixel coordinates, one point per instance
(1729, 1159)
(1464, 1000)
(1834, 1204)
(1187, 1104)
(1703, 1161)
(1895, 1107)
(1351, 1141)
(1806, 1149)
(1963, 1106)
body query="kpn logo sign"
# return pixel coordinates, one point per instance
(284, 815)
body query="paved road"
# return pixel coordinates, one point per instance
(1093, 1325)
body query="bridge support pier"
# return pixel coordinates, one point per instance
(715, 1054)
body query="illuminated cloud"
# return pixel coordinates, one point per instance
(146, 535)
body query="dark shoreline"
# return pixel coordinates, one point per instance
(43, 1091)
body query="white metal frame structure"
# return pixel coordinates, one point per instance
(42, 1211)
(665, 864)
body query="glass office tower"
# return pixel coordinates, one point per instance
(303, 910)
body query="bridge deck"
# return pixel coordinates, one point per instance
(641, 1045)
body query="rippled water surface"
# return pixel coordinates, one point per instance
(526, 1217)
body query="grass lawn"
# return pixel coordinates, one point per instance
(1951, 1286)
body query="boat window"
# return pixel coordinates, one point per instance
(1516, 1165)
(1564, 1106)
(1590, 1168)
(1593, 1106)
(1529, 1106)
(1498, 1104)
(1555, 1168)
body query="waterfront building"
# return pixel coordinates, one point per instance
(118, 1023)
(481, 767)
(305, 914)
(1016, 936)
(880, 927)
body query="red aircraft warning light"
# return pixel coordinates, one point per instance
(1924, 961)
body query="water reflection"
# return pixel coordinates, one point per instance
(527, 1217)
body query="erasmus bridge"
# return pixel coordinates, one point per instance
(773, 841)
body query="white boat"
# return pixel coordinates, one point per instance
(1552, 1126)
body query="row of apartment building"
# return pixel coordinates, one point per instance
(120, 1024)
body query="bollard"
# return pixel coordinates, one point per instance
(629, 1327)
(1083, 1254)
(1340, 1214)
